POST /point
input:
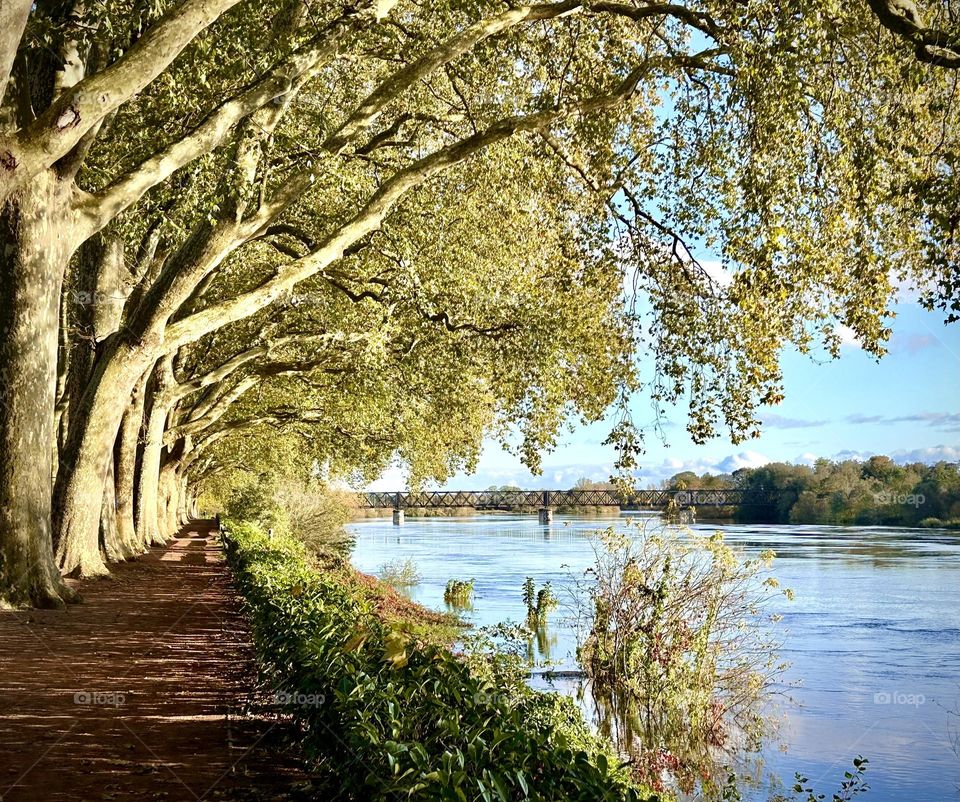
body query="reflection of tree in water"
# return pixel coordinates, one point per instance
(666, 756)
(540, 643)
(458, 605)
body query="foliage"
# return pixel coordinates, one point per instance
(874, 491)
(458, 592)
(409, 718)
(852, 785)
(676, 638)
(400, 573)
(255, 501)
(936, 523)
(312, 512)
(538, 602)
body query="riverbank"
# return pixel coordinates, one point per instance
(410, 718)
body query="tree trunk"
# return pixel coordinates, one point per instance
(34, 249)
(109, 534)
(167, 513)
(89, 456)
(183, 510)
(148, 499)
(126, 470)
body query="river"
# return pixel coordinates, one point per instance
(873, 635)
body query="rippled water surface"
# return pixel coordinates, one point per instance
(873, 636)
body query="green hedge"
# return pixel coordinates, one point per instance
(384, 716)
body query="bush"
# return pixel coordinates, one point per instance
(539, 603)
(257, 502)
(458, 592)
(399, 573)
(677, 641)
(400, 718)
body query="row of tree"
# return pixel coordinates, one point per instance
(245, 237)
(875, 491)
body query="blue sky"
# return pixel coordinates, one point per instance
(905, 406)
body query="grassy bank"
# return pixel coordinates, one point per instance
(386, 710)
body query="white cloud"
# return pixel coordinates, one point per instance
(745, 459)
(928, 455)
(912, 342)
(848, 337)
(654, 474)
(717, 272)
(773, 421)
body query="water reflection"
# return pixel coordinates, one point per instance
(540, 644)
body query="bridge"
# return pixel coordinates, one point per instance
(546, 500)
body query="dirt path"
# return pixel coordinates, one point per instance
(138, 693)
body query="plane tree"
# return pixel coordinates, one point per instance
(230, 168)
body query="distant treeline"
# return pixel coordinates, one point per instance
(877, 491)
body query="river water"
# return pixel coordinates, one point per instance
(873, 635)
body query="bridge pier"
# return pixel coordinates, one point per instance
(545, 513)
(397, 511)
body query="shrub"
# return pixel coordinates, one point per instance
(399, 573)
(677, 642)
(256, 501)
(400, 718)
(318, 515)
(458, 592)
(539, 603)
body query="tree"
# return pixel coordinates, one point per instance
(331, 156)
(930, 30)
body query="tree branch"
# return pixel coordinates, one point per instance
(372, 214)
(367, 112)
(284, 78)
(54, 133)
(932, 46)
(13, 21)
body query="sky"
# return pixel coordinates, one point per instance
(905, 406)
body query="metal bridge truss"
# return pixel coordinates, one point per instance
(529, 499)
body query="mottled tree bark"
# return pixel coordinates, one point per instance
(148, 492)
(126, 460)
(34, 248)
(109, 536)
